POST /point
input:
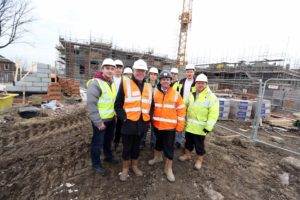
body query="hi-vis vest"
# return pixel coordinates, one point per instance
(169, 112)
(202, 113)
(176, 86)
(136, 103)
(106, 100)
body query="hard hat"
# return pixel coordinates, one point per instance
(201, 77)
(127, 70)
(108, 61)
(174, 70)
(165, 74)
(153, 70)
(190, 66)
(119, 62)
(140, 64)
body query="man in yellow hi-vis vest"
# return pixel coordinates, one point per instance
(101, 94)
(202, 115)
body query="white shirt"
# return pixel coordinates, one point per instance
(117, 81)
(187, 88)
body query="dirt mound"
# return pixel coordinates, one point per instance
(48, 158)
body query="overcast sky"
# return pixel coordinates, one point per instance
(222, 30)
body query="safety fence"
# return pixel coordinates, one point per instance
(246, 107)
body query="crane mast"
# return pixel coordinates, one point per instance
(185, 21)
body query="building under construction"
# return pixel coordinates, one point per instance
(82, 59)
(264, 69)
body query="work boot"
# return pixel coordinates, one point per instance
(186, 156)
(198, 162)
(100, 170)
(124, 174)
(168, 170)
(135, 169)
(157, 158)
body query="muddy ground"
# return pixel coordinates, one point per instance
(48, 158)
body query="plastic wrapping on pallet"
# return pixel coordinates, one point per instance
(224, 108)
(240, 109)
(265, 111)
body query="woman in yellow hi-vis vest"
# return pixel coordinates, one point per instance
(101, 94)
(202, 115)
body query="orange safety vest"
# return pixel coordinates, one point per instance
(136, 103)
(169, 112)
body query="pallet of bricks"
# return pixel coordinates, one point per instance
(64, 85)
(73, 88)
(54, 92)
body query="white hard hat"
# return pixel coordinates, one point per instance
(108, 61)
(201, 77)
(127, 70)
(140, 64)
(153, 70)
(190, 66)
(119, 62)
(174, 70)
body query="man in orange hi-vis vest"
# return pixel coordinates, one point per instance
(168, 118)
(133, 105)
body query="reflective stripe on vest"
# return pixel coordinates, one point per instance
(136, 103)
(106, 100)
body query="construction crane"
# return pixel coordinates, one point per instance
(185, 22)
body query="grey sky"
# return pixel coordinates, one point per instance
(222, 30)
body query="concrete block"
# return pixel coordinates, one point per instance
(40, 84)
(22, 83)
(32, 79)
(34, 89)
(42, 66)
(46, 80)
(44, 89)
(225, 109)
(44, 71)
(42, 75)
(14, 88)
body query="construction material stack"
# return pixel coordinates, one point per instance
(54, 92)
(240, 109)
(265, 111)
(224, 108)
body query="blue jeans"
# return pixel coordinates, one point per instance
(153, 138)
(102, 139)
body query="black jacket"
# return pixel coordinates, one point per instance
(130, 127)
(182, 81)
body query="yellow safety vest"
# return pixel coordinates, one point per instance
(202, 113)
(106, 100)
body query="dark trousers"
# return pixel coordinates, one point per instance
(102, 139)
(195, 141)
(118, 131)
(131, 147)
(165, 142)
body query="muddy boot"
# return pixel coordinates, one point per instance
(135, 169)
(186, 156)
(198, 162)
(157, 158)
(169, 171)
(124, 174)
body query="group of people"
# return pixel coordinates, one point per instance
(123, 104)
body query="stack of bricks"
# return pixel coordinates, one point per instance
(54, 92)
(63, 84)
(73, 88)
